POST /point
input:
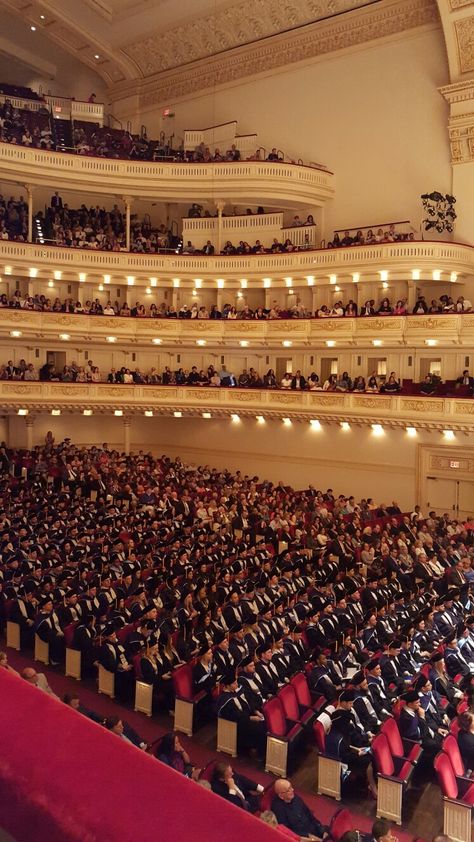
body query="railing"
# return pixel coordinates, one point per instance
(221, 137)
(392, 331)
(402, 258)
(252, 182)
(425, 412)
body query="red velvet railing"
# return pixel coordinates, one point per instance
(65, 779)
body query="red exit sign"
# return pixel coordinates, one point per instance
(453, 464)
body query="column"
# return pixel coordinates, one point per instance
(314, 299)
(29, 190)
(127, 423)
(412, 295)
(220, 299)
(460, 97)
(220, 207)
(128, 206)
(29, 421)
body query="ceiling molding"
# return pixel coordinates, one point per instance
(385, 19)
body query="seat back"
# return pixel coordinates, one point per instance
(275, 717)
(320, 736)
(300, 684)
(267, 798)
(451, 748)
(125, 632)
(341, 822)
(382, 755)
(390, 729)
(446, 776)
(137, 666)
(183, 682)
(69, 634)
(454, 728)
(208, 771)
(289, 701)
(397, 708)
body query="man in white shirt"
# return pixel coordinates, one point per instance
(39, 680)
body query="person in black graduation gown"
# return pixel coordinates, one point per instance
(363, 703)
(48, 629)
(239, 790)
(204, 671)
(443, 684)
(84, 639)
(155, 669)
(413, 726)
(232, 705)
(436, 719)
(354, 749)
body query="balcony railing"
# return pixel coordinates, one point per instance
(255, 182)
(403, 259)
(390, 330)
(394, 411)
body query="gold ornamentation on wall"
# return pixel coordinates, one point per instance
(372, 403)
(464, 29)
(422, 405)
(327, 400)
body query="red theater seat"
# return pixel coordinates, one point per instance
(394, 774)
(282, 737)
(405, 749)
(293, 711)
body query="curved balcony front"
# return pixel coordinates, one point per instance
(394, 331)
(253, 182)
(392, 411)
(398, 259)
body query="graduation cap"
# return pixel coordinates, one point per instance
(438, 656)
(420, 682)
(45, 599)
(110, 629)
(347, 696)
(246, 661)
(410, 696)
(264, 647)
(358, 678)
(395, 644)
(229, 677)
(219, 636)
(370, 665)
(203, 649)
(237, 628)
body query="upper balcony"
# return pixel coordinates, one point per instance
(273, 183)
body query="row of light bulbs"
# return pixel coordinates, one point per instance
(315, 424)
(244, 343)
(220, 282)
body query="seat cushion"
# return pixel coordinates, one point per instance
(405, 771)
(468, 797)
(294, 732)
(414, 753)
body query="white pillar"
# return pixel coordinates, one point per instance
(29, 190)
(128, 205)
(411, 300)
(220, 208)
(127, 422)
(29, 432)
(460, 96)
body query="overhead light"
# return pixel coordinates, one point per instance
(101, 287)
(87, 411)
(288, 282)
(198, 283)
(206, 415)
(267, 282)
(291, 292)
(376, 342)
(412, 432)
(330, 343)
(118, 412)
(22, 412)
(55, 412)
(287, 343)
(453, 277)
(345, 426)
(310, 280)
(130, 280)
(148, 290)
(195, 292)
(287, 422)
(378, 430)
(243, 283)
(220, 283)
(97, 56)
(15, 333)
(200, 342)
(149, 413)
(33, 28)
(337, 289)
(82, 277)
(33, 273)
(244, 343)
(50, 284)
(315, 424)
(333, 279)
(431, 342)
(383, 275)
(385, 285)
(153, 282)
(64, 337)
(240, 294)
(436, 274)
(415, 275)
(42, 17)
(260, 419)
(449, 435)
(111, 338)
(176, 282)
(356, 277)
(106, 279)
(178, 414)
(235, 418)
(157, 341)
(8, 270)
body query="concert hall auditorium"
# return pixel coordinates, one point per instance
(236, 420)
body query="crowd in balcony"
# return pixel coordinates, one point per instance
(13, 219)
(24, 127)
(249, 378)
(156, 568)
(84, 228)
(370, 237)
(41, 303)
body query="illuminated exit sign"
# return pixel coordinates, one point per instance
(453, 464)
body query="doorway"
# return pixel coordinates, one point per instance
(450, 495)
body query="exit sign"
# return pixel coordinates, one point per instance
(453, 464)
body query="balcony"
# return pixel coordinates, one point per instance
(391, 411)
(391, 331)
(252, 182)
(398, 259)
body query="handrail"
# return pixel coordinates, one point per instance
(208, 128)
(111, 117)
(377, 225)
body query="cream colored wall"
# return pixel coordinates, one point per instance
(373, 116)
(355, 462)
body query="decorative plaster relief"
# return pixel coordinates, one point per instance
(464, 29)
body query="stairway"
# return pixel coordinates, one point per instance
(62, 134)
